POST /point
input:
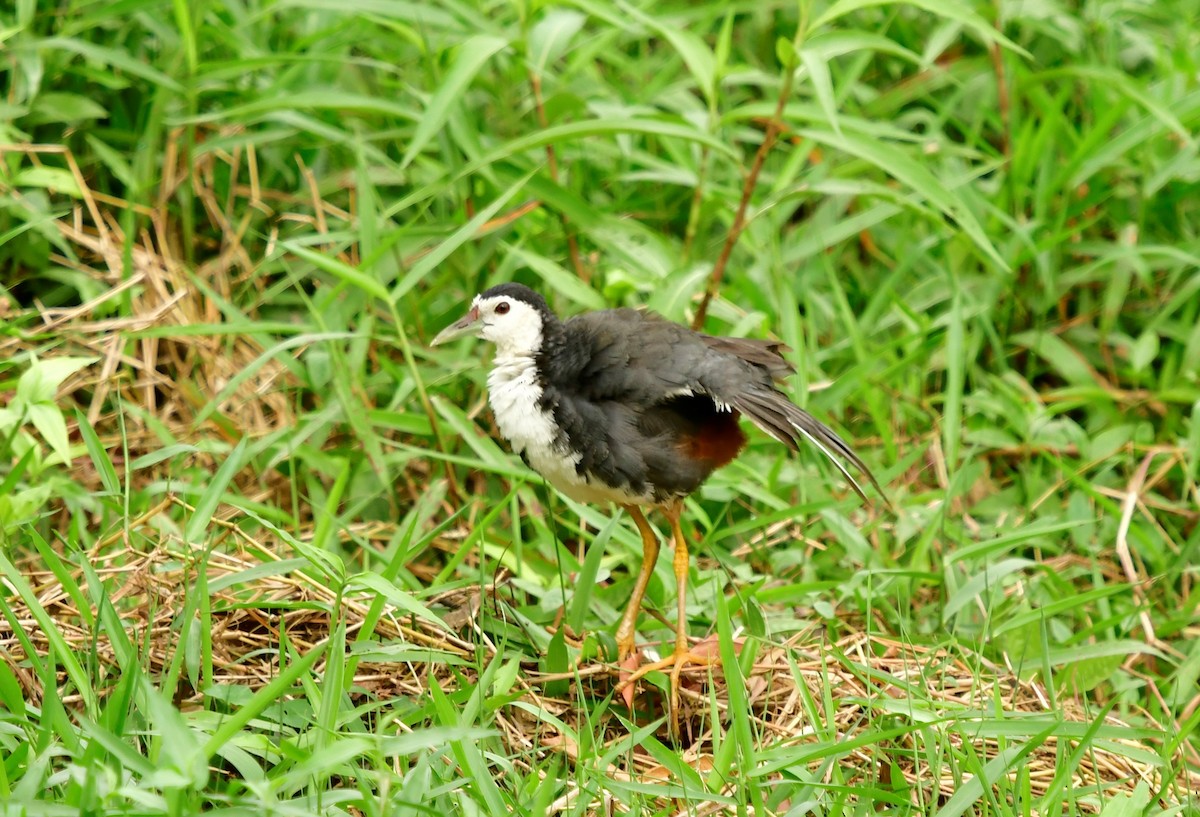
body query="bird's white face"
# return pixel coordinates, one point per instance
(513, 325)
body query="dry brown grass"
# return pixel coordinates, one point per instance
(865, 673)
(160, 375)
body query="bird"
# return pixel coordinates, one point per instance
(625, 406)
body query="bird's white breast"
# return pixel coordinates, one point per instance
(515, 394)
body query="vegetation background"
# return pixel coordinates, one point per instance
(261, 552)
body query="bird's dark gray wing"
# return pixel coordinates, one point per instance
(639, 358)
(766, 354)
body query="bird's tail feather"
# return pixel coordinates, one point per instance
(788, 423)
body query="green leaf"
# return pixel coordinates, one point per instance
(840, 42)
(1122, 647)
(269, 695)
(429, 739)
(785, 52)
(587, 575)
(1128, 804)
(550, 37)
(161, 455)
(315, 99)
(351, 275)
(1088, 673)
(459, 237)
(1024, 645)
(63, 653)
(971, 792)
(1062, 357)
(1112, 77)
(248, 370)
(401, 600)
(564, 133)
(560, 279)
(897, 163)
(556, 660)
(724, 45)
(472, 55)
(54, 179)
(114, 57)
(756, 621)
(1143, 351)
(1106, 443)
(421, 14)
(9, 419)
(330, 568)
(948, 9)
(818, 73)
(62, 107)
(697, 56)
(989, 577)
(40, 382)
(47, 418)
(197, 526)
(180, 752)
(403, 421)
(956, 363)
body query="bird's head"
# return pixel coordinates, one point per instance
(511, 316)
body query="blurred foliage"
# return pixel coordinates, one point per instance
(979, 232)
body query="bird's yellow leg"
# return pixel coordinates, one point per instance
(628, 626)
(683, 654)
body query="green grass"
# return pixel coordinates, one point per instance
(262, 552)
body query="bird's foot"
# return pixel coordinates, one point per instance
(682, 657)
(628, 658)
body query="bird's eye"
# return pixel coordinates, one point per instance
(502, 308)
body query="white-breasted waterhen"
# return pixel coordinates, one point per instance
(625, 406)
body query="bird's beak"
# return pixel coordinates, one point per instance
(460, 328)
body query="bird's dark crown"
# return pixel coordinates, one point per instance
(518, 292)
